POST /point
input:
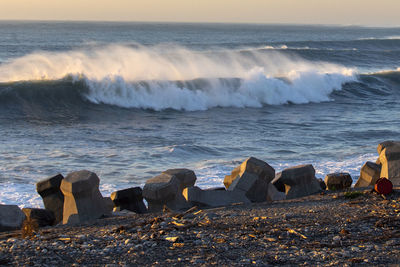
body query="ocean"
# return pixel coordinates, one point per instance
(129, 100)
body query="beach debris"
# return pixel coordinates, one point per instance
(292, 231)
(129, 199)
(252, 177)
(11, 217)
(299, 181)
(338, 181)
(389, 157)
(29, 228)
(166, 189)
(53, 198)
(82, 198)
(383, 186)
(42, 217)
(178, 245)
(352, 194)
(370, 172)
(172, 238)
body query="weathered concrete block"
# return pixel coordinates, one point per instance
(186, 177)
(252, 177)
(129, 199)
(274, 194)
(41, 216)
(53, 198)
(338, 181)
(109, 204)
(82, 198)
(213, 198)
(299, 181)
(278, 183)
(11, 217)
(166, 189)
(322, 183)
(389, 157)
(370, 172)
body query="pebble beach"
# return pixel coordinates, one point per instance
(347, 228)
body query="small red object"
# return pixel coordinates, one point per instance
(383, 186)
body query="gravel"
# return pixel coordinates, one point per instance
(323, 229)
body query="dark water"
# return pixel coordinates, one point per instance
(128, 100)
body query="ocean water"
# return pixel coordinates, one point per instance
(129, 100)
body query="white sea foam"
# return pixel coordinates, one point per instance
(391, 37)
(211, 174)
(146, 77)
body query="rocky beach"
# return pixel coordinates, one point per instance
(346, 229)
(258, 218)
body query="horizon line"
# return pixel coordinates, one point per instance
(201, 22)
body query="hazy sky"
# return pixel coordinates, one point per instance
(360, 12)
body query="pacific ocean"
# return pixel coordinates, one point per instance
(129, 100)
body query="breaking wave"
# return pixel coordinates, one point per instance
(172, 77)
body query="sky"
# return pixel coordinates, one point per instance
(342, 12)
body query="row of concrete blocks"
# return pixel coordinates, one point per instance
(73, 199)
(76, 198)
(249, 182)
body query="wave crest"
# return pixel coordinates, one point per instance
(162, 77)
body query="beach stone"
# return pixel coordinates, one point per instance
(213, 198)
(338, 181)
(166, 189)
(370, 172)
(82, 198)
(53, 198)
(11, 217)
(129, 199)
(389, 157)
(252, 177)
(43, 217)
(299, 181)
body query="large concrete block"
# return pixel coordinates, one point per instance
(278, 183)
(213, 198)
(186, 177)
(82, 198)
(338, 181)
(252, 177)
(370, 172)
(166, 189)
(299, 181)
(109, 204)
(274, 194)
(389, 157)
(129, 199)
(11, 217)
(53, 198)
(41, 216)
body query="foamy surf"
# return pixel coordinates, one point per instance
(173, 77)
